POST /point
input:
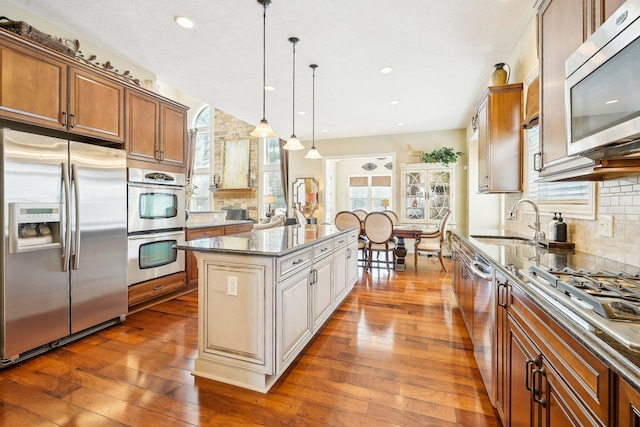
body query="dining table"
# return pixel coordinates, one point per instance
(404, 231)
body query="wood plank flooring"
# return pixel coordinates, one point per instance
(396, 353)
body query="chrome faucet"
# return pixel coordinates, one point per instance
(539, 234)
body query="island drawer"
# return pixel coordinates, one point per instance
(322, 249)
(292, 263)
(346, 238)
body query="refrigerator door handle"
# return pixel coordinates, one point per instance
(76, 188)
(67, 217)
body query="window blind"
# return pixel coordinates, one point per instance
(571, 192)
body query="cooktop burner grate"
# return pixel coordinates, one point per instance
(607, 301)
(615, 296)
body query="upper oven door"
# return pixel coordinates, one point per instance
(602, 88)
(155, 207)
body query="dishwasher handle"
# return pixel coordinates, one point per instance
(477, 269)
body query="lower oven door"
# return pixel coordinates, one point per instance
(155, 207)
(152, 255)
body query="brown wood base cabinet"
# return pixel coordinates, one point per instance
(550, 373)
(543, 375)
(628, 405)
(206, 233)
(153, 289)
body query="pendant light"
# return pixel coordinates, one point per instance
(313, 153)
(294, 143)
(264, 130)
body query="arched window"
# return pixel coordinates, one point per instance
(201, 201)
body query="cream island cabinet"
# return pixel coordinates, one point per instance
(262, 295)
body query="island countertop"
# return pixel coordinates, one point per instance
(272, 242)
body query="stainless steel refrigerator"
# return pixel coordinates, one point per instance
(64, 212)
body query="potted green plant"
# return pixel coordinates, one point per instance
(444, 155)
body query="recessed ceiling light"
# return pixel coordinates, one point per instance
(394, 102)
(184, 22)
(613, 101)
(270, 88)
(386, 70)
(400, 124)
(325, 130)
(301, 113)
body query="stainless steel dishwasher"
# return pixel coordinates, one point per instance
(484, 333)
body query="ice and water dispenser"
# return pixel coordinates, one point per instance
(34, 226)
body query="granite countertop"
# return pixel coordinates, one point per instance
(273, 242)
(509, 259)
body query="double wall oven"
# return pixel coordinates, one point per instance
(156, 222)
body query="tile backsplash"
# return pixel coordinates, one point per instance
(618, 198)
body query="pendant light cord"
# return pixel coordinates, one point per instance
(313, 107)
(313, 110)
(264, 61)
(294, 41)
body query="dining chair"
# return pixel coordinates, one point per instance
(378, 228)
(425, 242)
(361, 214)
(347, 219)
(392, 215)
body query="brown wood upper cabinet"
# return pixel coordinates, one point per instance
(500, 140)
(45, 90)
(563, 25)
(156, 130)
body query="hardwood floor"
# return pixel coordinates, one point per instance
(396, 353)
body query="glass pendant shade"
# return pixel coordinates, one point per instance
(313, 154)
(293, 144)
(263, 130)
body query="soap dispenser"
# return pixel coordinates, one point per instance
(560, 228)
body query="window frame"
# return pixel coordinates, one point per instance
(204, 171)
(570, 209)
(371, 206)
(266, 168)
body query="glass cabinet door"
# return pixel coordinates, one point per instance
(414, 196)
(439, 194)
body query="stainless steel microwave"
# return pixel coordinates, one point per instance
(602, 89)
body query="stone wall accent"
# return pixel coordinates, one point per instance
(225, 128)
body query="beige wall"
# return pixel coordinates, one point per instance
(394, 145)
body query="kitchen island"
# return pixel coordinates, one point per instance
(263, 295)
(546, 361)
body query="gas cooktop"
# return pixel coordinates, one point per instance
(604, 300)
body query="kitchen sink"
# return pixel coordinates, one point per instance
(505, 240)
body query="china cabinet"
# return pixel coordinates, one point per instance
(427, 192)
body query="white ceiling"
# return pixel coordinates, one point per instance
(442, 53)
